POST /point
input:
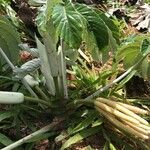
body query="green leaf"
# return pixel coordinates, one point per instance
(5, 140)
(132, 52)
(145, 47)
(106, 146)
(45, 66)
(98, 122)
(5, 115)
(111, 25)
(84, 124)
(111, 146)
(30, 146)
(50, 6)
(9, 40)
(129, 53)
(145, 68)
(92, 47)
(69, 24)
(95, 24)
(80, 136)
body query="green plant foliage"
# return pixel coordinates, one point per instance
(5, 140)
(74, 22)
(50, 5)
(84, 123)
(5, 115)
(69, 24)
(125, 80)
(80, 136)
(9, 40)
(132, 52)
(4, 1)
(145, 47)
(109, 146)
(98, 23)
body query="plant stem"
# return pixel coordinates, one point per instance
(7, 59)
(77, 103)
(109, 85)
(37, 100)
(28, 87)
(45, 67)
(63, 71)
(39, 90)
(53, 126)
(116, 80)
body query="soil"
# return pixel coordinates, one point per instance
(138, 88)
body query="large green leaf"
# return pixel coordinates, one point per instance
(49, 7)
(95, 24)
(132, 52)
(111, 25)
(99, 24)
(77, 22)
(69, 24)
(9, 40)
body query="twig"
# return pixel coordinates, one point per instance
(53, 126)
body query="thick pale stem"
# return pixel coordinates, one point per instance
(52, 126)
(63, 71)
